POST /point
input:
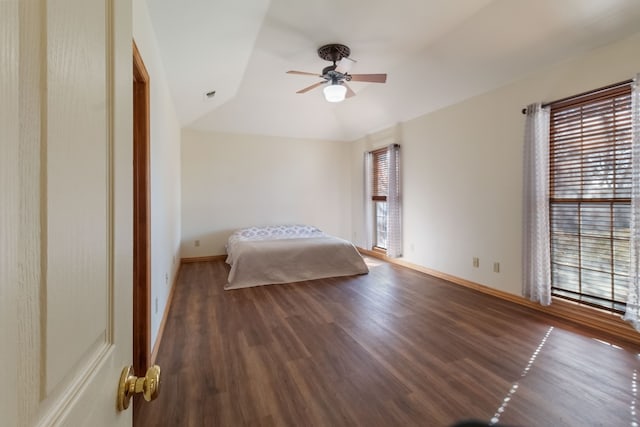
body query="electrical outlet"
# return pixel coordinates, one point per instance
(496, 267)
(166, 278)
(476, 262)
(196, 243)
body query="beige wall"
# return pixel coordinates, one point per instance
(165, 169)
(463, 169)
(231, 181)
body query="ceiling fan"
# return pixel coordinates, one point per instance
(337, 75)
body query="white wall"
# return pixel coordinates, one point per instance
(165, 170)
(463, 169)
(231, 181)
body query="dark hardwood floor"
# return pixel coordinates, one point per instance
(391, 348)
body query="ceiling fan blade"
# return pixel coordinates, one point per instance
(303, 73)
(350, 91)
(344, 65)
(313, 86)
(372, 78)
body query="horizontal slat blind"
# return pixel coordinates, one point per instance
(380, 174)
(590, 191)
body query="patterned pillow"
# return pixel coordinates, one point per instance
(275, 232)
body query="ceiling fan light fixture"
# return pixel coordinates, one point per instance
(335, 93)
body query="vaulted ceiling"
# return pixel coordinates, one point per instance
(435, 52)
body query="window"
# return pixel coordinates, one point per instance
(379, 194)
(590, 197)
(383, 200)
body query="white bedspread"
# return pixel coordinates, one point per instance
(284, 254)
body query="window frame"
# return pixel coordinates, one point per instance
(378, 188)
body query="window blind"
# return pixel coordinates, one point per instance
(380, 174)
(590, 196)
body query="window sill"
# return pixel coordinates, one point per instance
(379, 250)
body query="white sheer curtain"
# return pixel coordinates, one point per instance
(394, 204)
(536, 258)
(632, 313)
(368, 206)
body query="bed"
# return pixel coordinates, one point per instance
(288, 253)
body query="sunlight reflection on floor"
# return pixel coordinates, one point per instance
(514, 386)
(634, 398)
(608, 344)
(372, 262)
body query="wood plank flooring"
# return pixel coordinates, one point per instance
(391, 348)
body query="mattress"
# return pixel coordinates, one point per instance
(288, 253)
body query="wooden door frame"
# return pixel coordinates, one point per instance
(141, 218)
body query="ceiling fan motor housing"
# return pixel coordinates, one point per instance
(334, 52)
(327, 70)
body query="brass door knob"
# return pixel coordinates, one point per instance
(129, 385)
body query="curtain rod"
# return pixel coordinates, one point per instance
(395, 144)
(591, 92)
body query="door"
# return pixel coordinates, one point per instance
(66, 225)
(141, 216)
